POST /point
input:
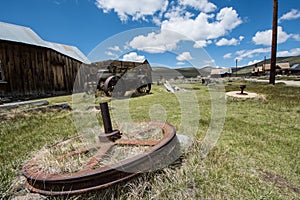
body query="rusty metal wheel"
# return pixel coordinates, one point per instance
(78, 165)
(109, 86)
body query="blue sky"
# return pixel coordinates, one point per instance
(168, 33)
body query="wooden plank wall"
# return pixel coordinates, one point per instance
(36, 71)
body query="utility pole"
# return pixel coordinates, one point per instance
(264, 65)
(236, 60)
(274, 43)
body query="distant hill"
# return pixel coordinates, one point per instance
(205, 71)
(163, 72)
(188, 72)
(167, 73)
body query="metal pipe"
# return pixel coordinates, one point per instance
(236, 61)
(106, 117)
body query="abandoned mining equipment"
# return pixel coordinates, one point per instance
(120, 76)
(76, 166)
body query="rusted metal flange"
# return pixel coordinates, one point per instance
(93, 175)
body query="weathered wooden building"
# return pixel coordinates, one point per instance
(30, 66)
(281, 68)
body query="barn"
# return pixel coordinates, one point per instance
(32, 67)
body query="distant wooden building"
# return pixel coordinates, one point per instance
(258, 70)
(281, 68)
(30, 66)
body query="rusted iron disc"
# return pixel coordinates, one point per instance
(97, 172)
(110, 89)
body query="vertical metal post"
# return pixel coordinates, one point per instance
(110, 134)
(236, 61)
(274, 43)
(264, 65)
(106, 117)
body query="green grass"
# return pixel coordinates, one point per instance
(256, 157)
(23, 134)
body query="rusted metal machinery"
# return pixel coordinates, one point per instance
(242, 87)
(128, 75)
(55, 171)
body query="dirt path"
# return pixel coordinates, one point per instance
(294, 83)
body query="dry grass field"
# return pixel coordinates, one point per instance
(256, 157)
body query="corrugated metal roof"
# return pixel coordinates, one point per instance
(21, 34)
(16, 33)
(296, 66)
(70, 51)
(285, 65)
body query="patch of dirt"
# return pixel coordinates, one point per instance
(278, 180)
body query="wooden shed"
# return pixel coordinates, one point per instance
(281, 68)
(32, 67)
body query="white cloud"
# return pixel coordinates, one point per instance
(231, 42)
(253, 62)
(293, 14)
(180, 63)
(203, 27)
(226, 42)
(292, 52)
(201, 5)
(114, 48)
(265, 37)
(228, 55)
(202, 43)
(156, 42)
(209, 62)
(137, 9)
(296, 37)
(256, 52)
(133, 56)
(184, 56)
(251, 53)
(109, 53)
(241, 38)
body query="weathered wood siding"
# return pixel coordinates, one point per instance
(35, 71)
